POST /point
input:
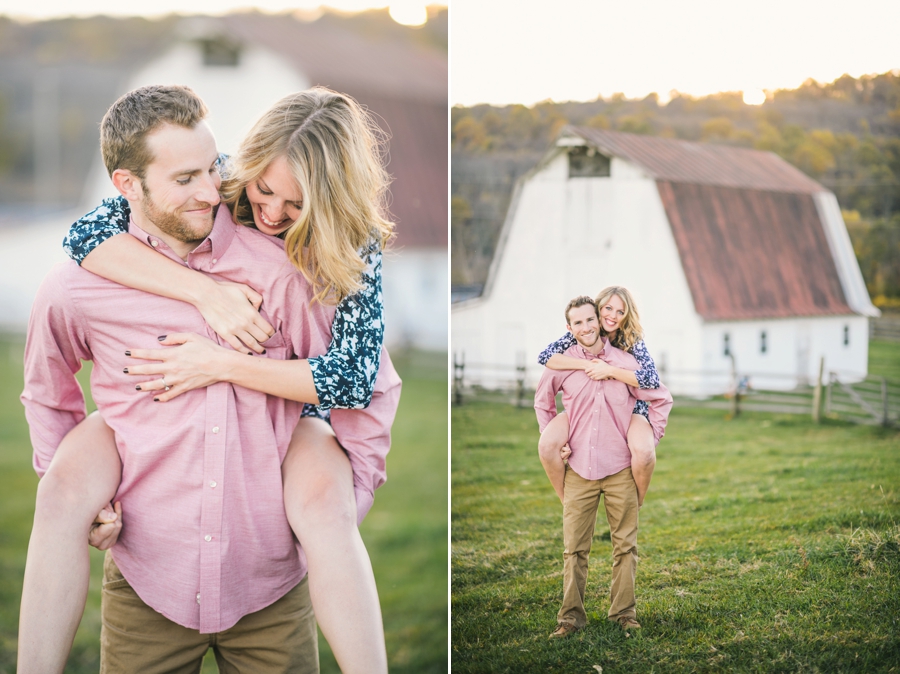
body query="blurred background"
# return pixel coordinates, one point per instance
(63, 64)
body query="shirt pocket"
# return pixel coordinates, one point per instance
(275, 347)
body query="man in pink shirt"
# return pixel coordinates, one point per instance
(600, 463)
(207, 556)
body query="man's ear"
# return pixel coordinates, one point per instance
(128, 184)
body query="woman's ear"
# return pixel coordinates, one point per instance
(128, 184)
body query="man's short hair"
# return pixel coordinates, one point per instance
(125, 126)
(580, 301)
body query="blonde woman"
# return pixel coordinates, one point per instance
(309, 172)
(620, 323)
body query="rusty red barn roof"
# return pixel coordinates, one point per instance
(750, 237)
(404, 85)
(702, 163)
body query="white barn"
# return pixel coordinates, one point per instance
(240, 65)
(727, 251)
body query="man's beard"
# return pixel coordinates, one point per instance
(173, 223)
(588, 346)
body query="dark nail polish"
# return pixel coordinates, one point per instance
(156, 400)
(128, 353)
(137, 388)
(162, 337)
(125, 370)
(264, 350)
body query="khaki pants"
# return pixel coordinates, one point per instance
(135, 638)
(582, 500)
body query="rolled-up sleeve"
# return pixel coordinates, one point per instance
(559, 346)
(365, 434)
(345, 375)
(108, 219)
(660, 402)
(545, 396)
(56, 345)
(647, 375)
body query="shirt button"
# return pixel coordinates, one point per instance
(215, 429)
(213, 484)
(154, 243)
(207, 538)
(198, 597)
(214, 260)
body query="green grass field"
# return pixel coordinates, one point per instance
(767, 544)
(406, 531)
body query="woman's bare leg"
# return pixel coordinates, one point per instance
(643, 453)
(553, 439)
(82, 479)
(321, 509)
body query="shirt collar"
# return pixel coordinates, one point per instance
(207, 254)
(590, 356)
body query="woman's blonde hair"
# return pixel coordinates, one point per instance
(334, 150)
(630, 331)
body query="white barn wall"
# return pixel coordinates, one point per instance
(571, 237)
(415, 298)
(794, 347)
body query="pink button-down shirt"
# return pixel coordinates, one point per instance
(599, 412)
(206, 540)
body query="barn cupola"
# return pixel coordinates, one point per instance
(219, 49)
(585, 160)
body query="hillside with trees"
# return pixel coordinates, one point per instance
(845, 134)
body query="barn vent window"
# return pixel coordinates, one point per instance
(586, 162)
(726, 345)
(846, 335)
(221, 52)
(763, 345)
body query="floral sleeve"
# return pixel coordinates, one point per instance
(345, 376)
(108, 219)
(647, 375)
(559, 346)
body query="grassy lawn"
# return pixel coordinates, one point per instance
(767, 544)
(406, 531)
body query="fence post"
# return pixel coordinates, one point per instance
(884, 402)
(736, 397)
(520, 378)
(817, 394)
(828, 394)
(459, 367)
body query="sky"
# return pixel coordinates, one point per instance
(405, 11)
(506, 51)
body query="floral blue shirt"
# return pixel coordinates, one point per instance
(344, 377)
(647, 376)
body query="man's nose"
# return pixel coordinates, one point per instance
(208, 191)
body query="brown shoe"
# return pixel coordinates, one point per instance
(628, 623)
(564, 630)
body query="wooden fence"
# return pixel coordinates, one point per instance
(886, 327)
(835, 395)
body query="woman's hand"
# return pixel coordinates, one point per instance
(598, 370)
(106, 527)
(192, 362)
(232, 311)
(565, 452)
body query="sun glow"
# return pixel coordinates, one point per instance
(754, 96)
(408, 12)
